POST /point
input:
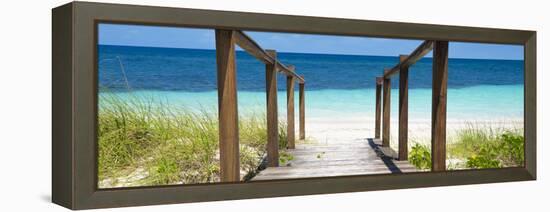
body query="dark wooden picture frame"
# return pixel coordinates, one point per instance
(74, 87)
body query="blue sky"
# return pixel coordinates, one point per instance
(177, 37)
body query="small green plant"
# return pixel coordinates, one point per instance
(420, 156)
(166, 170)
(513, 148)
(486, 157)
(285, 157)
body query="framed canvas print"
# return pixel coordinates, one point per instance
(156, 105)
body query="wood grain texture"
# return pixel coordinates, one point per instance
(254, 49)
(403, 110)
(530, 100)
(289, 71)
(227, 106)
(439, 104)
(290, 112)
(302, 111)
(378, 110)
(251, 47)
(386, 112)
(355, 157)
(272, 115)
(416, 55)
(62, 107)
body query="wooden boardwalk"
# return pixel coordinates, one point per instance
(356, 157)
(352, 157)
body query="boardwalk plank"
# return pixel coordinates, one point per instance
(358, 157)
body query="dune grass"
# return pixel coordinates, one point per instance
(488, 147)
(145, 142)
(476, 147)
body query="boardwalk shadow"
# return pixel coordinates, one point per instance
(387, 159)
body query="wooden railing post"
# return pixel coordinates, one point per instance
(227, 106)
(439, 104)
(378, 108)
(403, 152)
(302, 110)
(272, 116)
(386, 112)
(290, 110)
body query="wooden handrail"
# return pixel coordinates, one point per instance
(290, 71)
(379, 80)
(416, 55)
(254, 49)
(439, 101)
(226, 40)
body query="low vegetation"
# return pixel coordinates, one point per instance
(146, 142)
(420, 156)
(477, 147)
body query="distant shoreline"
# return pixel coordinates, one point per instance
(280, 89)
(296, 53)
(466, 103)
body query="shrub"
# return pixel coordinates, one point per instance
(485, 157)
(488, 147)
(502, 151)
(285, 158)
(420, 156)
(512, 148)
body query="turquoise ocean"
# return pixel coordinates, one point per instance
(336, 85)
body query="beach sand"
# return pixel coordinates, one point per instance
(345, 129)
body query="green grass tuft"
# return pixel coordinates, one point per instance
(171, 145)
(477, 146)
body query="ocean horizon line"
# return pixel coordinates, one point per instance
(305, 53)
(122, 90)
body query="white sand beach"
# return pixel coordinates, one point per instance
(347, 129)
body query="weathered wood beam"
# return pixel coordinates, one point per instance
(272, 116)
(290, 112)
(289, 72)
(403, 151)
(227, 106)
(302, 110)
(416, 55)
(386, 112)
(378, 108)
(254, 49)
(439, 104)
